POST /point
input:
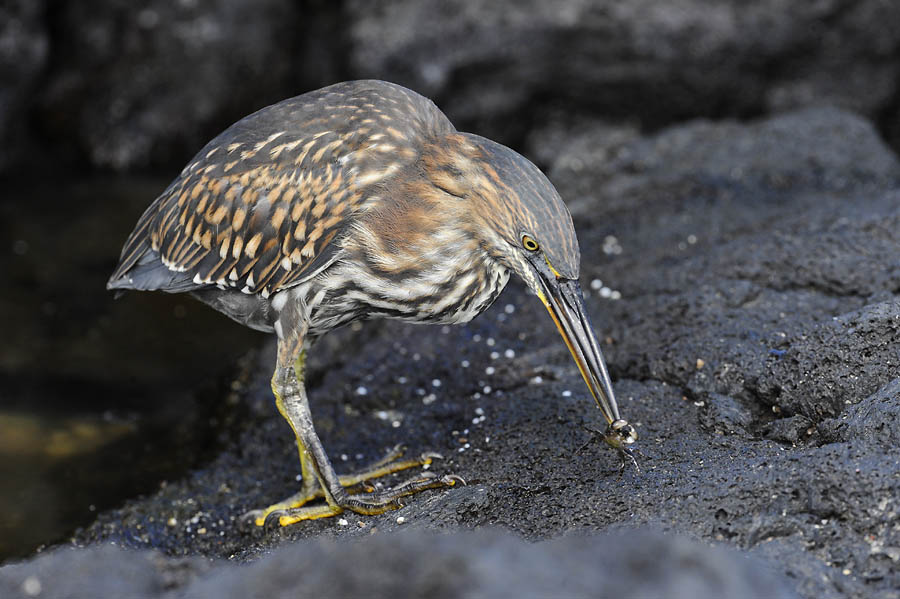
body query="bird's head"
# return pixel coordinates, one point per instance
(528, 229)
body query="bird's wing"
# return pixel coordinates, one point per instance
(258, 207)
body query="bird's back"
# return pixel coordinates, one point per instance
(257, 210)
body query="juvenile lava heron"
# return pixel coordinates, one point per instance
(356, 201)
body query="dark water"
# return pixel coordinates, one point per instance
(100, 399)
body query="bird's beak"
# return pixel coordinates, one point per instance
(563, 299)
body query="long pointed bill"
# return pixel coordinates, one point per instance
(563, 299)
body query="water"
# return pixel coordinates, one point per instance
(100, 399)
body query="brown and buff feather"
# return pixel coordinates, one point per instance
(262, 204)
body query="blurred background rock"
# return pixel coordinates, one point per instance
(130, 86)
(102, 102)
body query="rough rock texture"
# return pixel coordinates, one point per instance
(754, 346)
(415, 565)
(508, 65)
(129, 85)
(123, 85)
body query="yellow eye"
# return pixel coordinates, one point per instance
(530, 244)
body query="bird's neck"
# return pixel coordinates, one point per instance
(418, 256)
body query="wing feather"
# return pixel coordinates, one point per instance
(263, 204)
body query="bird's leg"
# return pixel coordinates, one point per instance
(311, 488)
(319, 478)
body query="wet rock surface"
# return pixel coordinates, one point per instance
(95, 405)
(754, 344)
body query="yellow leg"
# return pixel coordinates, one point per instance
(319, 479)
(386, 500)
(389, 464)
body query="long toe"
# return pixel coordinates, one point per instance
(385, 500)
(359, 496)
(389, 464)
(259, 517)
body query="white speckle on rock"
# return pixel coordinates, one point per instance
(32, 586)
(490, 370)
(510, 354)
(611, 245)
(362, 390)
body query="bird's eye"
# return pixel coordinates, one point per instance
(530, 244)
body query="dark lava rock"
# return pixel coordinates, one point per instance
(875, 421)
(131, 85)
(504, 66)
(24, 46)
(415, 564)
(740, 277)
(115, 84)
(838, 362)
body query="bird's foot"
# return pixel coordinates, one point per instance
(353, 484)
(369, 504)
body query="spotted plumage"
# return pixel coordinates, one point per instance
(360, 200)
(259, 206)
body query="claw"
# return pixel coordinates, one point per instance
(273, 519)
(250, 518)
(452, 479)
(430, 455)
(396, 452)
